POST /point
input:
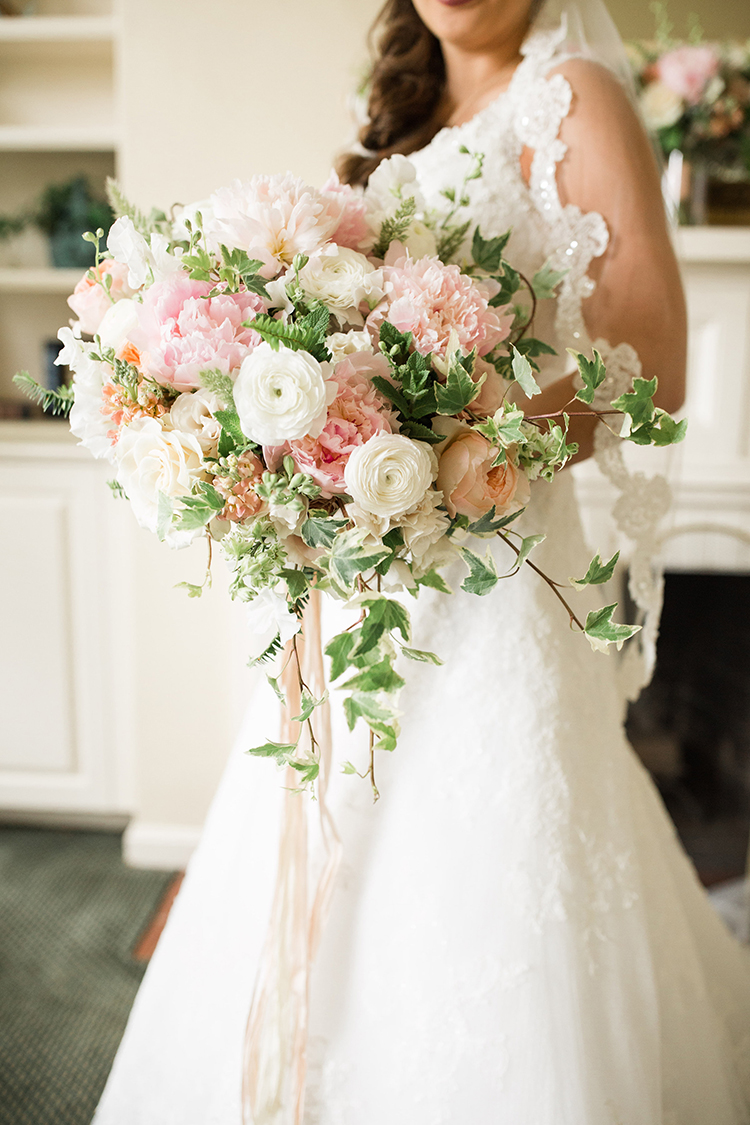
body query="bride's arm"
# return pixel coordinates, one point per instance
(609, 167)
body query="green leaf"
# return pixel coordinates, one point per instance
(274, 682)
(592, 371)
(422, 655)
(602, 631)
(395, 228)
(193, 590)
(221, 384)
(304, 336)
(349, 557)
(268, 653)
(392, 394)
(527, 546)
(274, 750)
(348, 768)
(339, 648)
(58, 402)
(296, 581)
(320, 531)
(545, 281)
(509, 281)
(488, 525)
(391, 614)
(230, 423)
(488, 252)
(164, 515)
(368, 707)
(435, 581)
(482, 576)
(458, 391)
(308, 705)
(308, 770)
(667, 430)
(597, 572)
(421, 433)
(523, 374)
(638, 403)
(377, 677)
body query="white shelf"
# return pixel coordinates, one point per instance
(42, 138)
(39, 280)
(56, 29)
(714, 244)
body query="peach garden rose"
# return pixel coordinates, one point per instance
(469, 482)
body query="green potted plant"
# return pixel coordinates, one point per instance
(64, 212)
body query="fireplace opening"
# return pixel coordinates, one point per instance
(691, 726)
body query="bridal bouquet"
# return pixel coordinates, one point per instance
(323, 383)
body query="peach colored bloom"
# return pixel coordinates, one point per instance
(238, 487)
(469, 483)
(431, 300)
(183, 332)
(688, 70)
(90, 302)
(491, 392)
(357, 413)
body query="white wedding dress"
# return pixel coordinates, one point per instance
(516, 936)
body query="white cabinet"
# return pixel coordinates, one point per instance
(63, 576)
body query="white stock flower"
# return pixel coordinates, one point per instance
(189, 213)
(270, 610)
(420, 240)
(342, 279)
(282, 395)
(423, 525)
(118, 323)
(73, 351)
(127, 246)
(389, 474)
(163, 261)
(152, 461)
(194, 413)
(341, 344)
(660, 106)
(87, 422)
(394, 180)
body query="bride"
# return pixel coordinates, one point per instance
(515, 936)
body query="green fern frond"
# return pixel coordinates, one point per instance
(52, 402)
(123, 208)
(268, 653)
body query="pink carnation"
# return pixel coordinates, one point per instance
(429, 299)
(352, 230)
(183, 332)
(90, 302)
(688, 70)
(355, 415)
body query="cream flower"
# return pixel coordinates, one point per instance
(195, 414)
(119, 323)
(343, 279)
(282, 395)
(423, 525)
(389, 474)
(87, 420)
(151, 462)
(660, 106)
(128, 246)
(269, 610)
(342, 344)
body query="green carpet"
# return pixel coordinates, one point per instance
(70, 914)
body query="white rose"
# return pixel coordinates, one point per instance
(282, 395)
(118, 323)
(87, 421)
(423, 525)
(660, 106)
(342, 279)
(130, 248)
(152, 461)
(341, 344)
(389, 474)
(194, 413)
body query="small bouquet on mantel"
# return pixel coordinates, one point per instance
(318, 381)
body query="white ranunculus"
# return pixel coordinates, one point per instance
(282, 395)
(194, 413)
(87, 421)
(152, 461)
(118, 323)
(342, 344)
(342, 279)
(268, 610)
(424, 524)
(128, 246)
(389, 474)
(660, 106)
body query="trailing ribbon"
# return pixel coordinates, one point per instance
(275, 1051)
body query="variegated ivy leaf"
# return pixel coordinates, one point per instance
(459, 388)
(274, 682)
(422, 655)
(545, 281)
(482, 576)
(592, 371)
(363, 705)
(527, 546)
(602, 631)
(524, 375)
(308, 771)
(488, 525)
(378, 677)
(638, 404)
(278, 750)
(348, 768)
(308, 705)
(321, 530)
(435, 581)
(350, 557)
(339, 649)
(488, 252)
(597, 572)
(164, 513)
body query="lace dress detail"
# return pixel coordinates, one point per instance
(516, 937)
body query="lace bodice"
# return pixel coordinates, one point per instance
(528, 115)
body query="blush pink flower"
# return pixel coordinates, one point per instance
(274, 218)
(353, 230)
(357, 413)
(432, 300)
(183, 332)
(237, 487)
(467, 479)
(688, 70)
(90, 302)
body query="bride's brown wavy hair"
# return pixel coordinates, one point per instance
(405, 87)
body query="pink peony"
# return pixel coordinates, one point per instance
(431, 300)
(90, 302)
(355, 415)
(469, 483)
(688, 70)
(352, 230)
(183, 332)
(274, 218)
